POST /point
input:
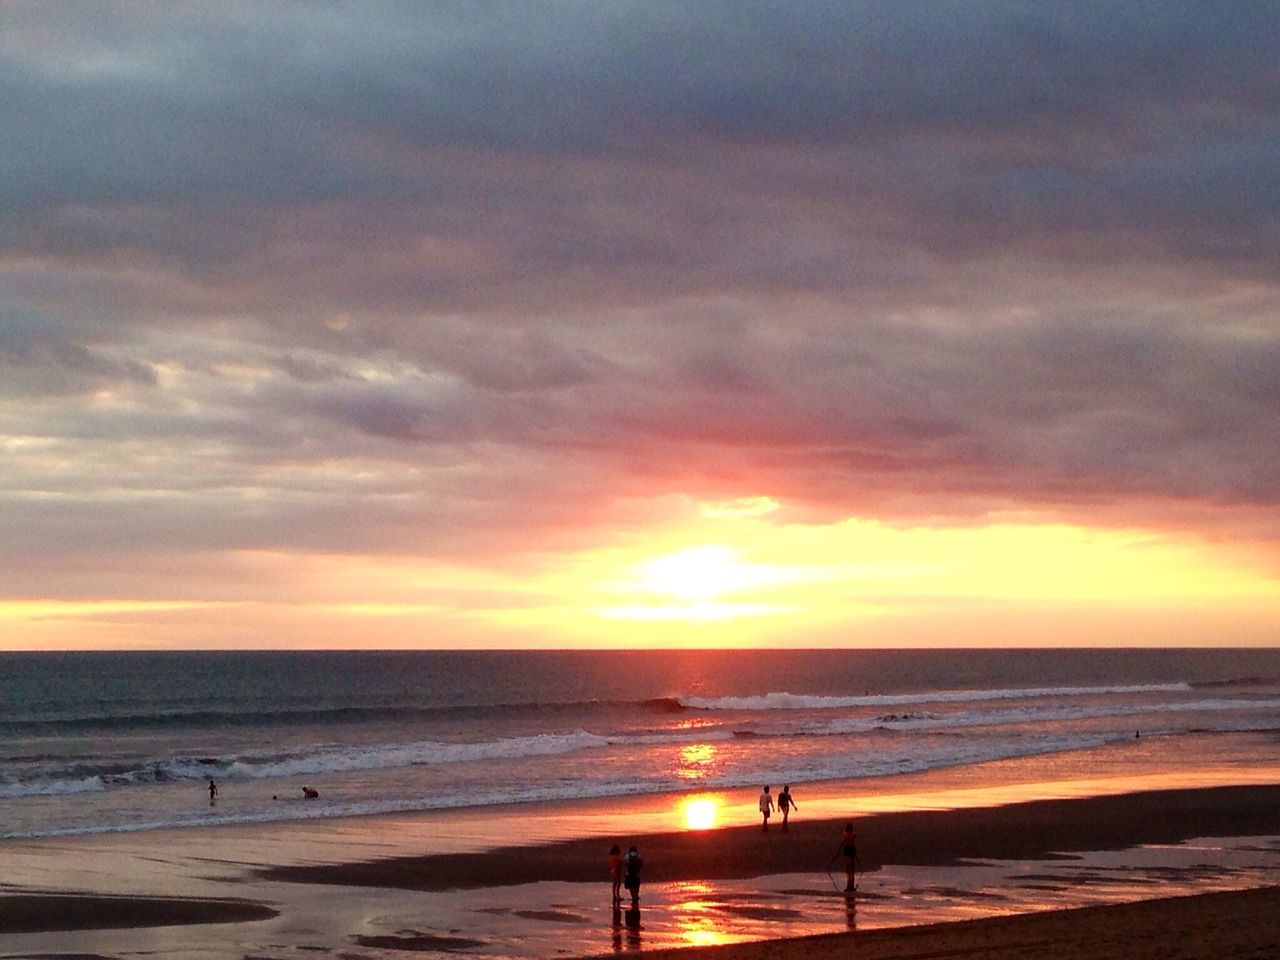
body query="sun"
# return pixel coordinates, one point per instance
(700, 814)
(697, 584)
(693, 574)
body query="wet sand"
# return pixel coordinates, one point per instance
(378, 904)
(1024, 831)
(1242, 925)
(41, 913)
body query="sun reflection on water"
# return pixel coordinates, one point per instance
(696, 924)
(697, 760)
(701, 932)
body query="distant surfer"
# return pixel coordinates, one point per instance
(766, 807)
(785, 805)
(213, 791)
(309, 794)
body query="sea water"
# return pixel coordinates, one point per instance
(95, 742)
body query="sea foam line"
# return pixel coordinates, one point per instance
(793, 701)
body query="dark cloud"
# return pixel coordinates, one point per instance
(955, 127)
(37, 361)
(426, 276)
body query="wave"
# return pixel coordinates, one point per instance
(908, 722)
(318, 761)
(291, 715)
(270, 716)
(1235, 682)
(838, 767)
(793, 701)
(53, 788)
(331, 760)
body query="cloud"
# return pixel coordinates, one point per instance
(469, 280)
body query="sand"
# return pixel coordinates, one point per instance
(39, 913)
(1034, 830)
(1218, 925)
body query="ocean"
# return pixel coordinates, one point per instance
(99, 742)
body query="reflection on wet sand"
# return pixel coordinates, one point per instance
(692, 903)
(632, 921)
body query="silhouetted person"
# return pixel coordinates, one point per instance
(615, 872)
(213, 791)
(785, 805)
(766, 808)
(632, 864)
(849, 848)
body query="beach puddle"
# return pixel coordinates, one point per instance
(419, 942)
(548, 920)
(551, 920)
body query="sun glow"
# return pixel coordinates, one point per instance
(701, 813)
(696, 574)
(738, 575)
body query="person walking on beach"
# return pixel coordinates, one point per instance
(849, 848)
(766, 807)
(615, 872)
(785, 805)
(632, 864)
(213, 791)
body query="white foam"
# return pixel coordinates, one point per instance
(52, 788)
(1032, 714)
(838, 767)
(415, 753)
(793, 701)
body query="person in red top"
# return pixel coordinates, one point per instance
(615, 872)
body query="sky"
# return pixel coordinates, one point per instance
(618, 324)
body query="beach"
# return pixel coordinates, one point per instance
(1206, 927)
(1050, 877)
(465, 801)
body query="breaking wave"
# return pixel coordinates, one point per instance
(792, 701)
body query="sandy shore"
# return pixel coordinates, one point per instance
(1242, 925)
(1033, 830)
(465, 903)
(37, 913)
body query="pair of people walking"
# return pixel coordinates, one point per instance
(625, 872)
(785, 805)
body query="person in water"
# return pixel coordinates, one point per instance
(309, 794)
(213, 791)
(615, 872)
(766, 807)
(632, 864)
(785, 805)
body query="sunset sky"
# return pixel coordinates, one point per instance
(639, 324)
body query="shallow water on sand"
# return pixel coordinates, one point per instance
(546, 920)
